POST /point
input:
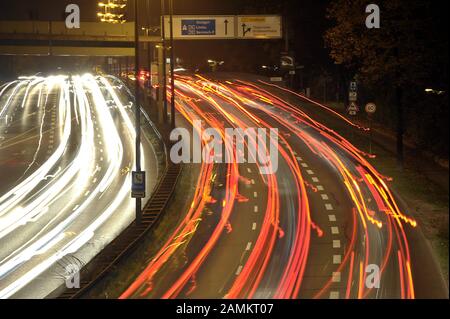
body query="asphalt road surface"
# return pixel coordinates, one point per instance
(314, 221)
(66, 156)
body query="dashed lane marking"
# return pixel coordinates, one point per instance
(336, 243)
(337, 259)
(336, 276)
(334, 295)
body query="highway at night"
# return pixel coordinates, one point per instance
(309, 230)
(66, 153)
(224, 159)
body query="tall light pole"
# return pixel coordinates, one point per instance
(137, 114)
(172, 68)
(164, 58)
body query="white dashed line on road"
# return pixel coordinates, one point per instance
(310, 172)
(315, 179)
(324, 196)
(320, 188)
(334, 295)
(238, 271)
(249, 246)
(304, 165)
(255, 209)
(337, 259)
(255, 194)
(254, 226)
(336, 276)
(329, 207)
(336, 243)
(335, 230)
(332, 218)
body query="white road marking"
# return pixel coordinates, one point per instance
(310, 172)
(337, 259)
(334, 295)
(254, 226)
(335, 230)
(320, 187)
(249, 170)
(336, 243)
(255, 209)
(336, 276)
(324, 196)
(315, 179)
(332, 218)
(304, 165)
(253, 182)
(329, 206)
(238, 271)
(249, 245)
(255, 194)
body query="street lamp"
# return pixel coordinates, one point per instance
(137, 114)
(172, 68)
(112, 11)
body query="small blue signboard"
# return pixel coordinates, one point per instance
(138, 185)
(201, 27)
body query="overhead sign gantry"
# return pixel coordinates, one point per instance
(224, 27)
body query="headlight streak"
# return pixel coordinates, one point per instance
(53, 242)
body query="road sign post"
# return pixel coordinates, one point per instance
(138, 184)
(137, 113)
(370, 108)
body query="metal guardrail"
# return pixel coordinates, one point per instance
(123, 245)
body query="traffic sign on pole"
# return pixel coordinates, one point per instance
(259, 27)
(138, 185)
(371, 108)
(190, 27)
(201, 27)
(353, 109)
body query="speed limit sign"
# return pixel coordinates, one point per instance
(371, 108)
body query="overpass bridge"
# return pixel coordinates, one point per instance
(53, 38)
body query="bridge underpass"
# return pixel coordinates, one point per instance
(53, 38)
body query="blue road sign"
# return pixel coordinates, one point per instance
(138, 185)
(198, 27)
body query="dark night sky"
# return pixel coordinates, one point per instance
(307, 16)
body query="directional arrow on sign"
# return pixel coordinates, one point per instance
(245, 30)
(226, 27)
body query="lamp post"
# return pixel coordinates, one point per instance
(164, 58)
(172, 68)
(137, 114)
